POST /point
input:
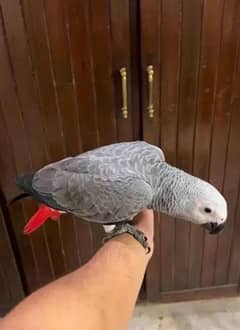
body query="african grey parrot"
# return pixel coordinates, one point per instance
(112, 184)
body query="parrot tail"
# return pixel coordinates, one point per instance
(43, 213)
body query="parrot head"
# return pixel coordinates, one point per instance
(203, 204)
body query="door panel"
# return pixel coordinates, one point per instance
(10, 282)
(150, 55)
(196, 47)
(188, 106)
(150, 13)
(170, 73)
(61, 95)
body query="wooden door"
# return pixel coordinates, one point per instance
(11, 287)
(61, 94)
(194, 49)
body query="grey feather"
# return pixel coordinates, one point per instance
(106, 185)
(114, 183)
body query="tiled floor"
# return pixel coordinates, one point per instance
(219, 314)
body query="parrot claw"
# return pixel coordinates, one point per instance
(133, 231)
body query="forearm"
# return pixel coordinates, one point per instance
(100, 295)
(125, 263)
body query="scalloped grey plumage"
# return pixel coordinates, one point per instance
(109, 184)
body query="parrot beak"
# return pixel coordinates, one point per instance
(213, 228)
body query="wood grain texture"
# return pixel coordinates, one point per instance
(190, 53)
(99, 23)
(10, 281)
(200, 293)
(61, 95)
(58, 99)
(221, 122)
(120, 47)
(15, 140)
(66, 100)
(234, 271)
(211, 42)
(84, 85)
(232, 175)
(37, 31)
(170, 43)
(150, 18)
(135, 62)
(198, 131)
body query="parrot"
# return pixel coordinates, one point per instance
(111, 184)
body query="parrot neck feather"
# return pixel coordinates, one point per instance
(169, 185)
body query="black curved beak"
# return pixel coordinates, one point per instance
(213, 228)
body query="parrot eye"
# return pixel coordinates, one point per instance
(207, 210)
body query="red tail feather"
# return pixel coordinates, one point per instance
(43, 213)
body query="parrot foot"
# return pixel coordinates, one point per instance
(127, 228)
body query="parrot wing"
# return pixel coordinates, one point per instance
(96, 198)
(140, 148)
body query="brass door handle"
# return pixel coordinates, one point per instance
(150, 108)
(124, 108)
